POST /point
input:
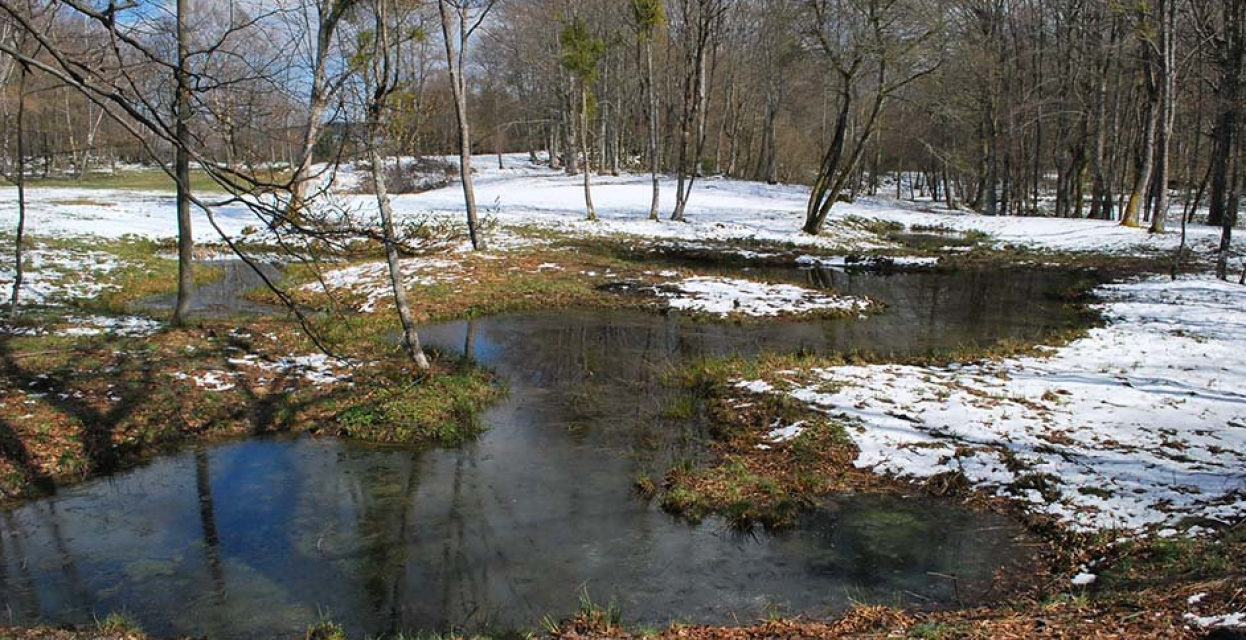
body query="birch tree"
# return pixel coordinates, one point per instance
(460, 19)
(323, 86)
(379, 58)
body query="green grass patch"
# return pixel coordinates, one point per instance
(1158, 561)
(118, 623)
(443, 409)
(136, 180)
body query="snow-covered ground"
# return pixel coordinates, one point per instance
(370, 281)
(1136, 427)
(131, 326)
(523, 194)
(57, 277)
(114, 213)
(54, 276)
(316, 369)
(728, 296)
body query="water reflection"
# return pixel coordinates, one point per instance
(386, 540)
(225, 296)
(252, 539)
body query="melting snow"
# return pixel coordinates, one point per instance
(783, 434)
(843, 262)
(1136, 426)
(54, 276)
(130, 326)
(1232, 620)
(318, 369)
(370, 281)
(725, 296)
(524, 195)
(1084, 579)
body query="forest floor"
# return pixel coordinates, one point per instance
(1121, 442)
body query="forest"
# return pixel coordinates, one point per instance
(709, 319)
(1084, 108)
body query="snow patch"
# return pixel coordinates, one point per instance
(129, 326)
(1084, 579)
(318, 368)
(867, 262)
(1234, 620)
(370, 282)
(56, 276)
(1136, 427)
(726, 296)
(783, 434)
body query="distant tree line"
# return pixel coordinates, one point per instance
(1066, 107)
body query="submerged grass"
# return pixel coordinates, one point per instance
(752, 479)
(119, 623)
(443, 408)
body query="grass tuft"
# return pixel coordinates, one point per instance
(119, 624)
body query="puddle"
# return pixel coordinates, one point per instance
(224, 297)
(255, 538)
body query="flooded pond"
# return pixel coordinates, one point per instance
(254, 539)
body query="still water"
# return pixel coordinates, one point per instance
(257, 538)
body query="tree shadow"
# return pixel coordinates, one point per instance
(98, 401)
(97, 426)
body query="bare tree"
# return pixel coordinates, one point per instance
(649, 16)
(380, 57)
(699, 24)
(885, 38)
(1166, 75)
(18, 177)
(181, 169)
(1151, 72)
(459, 21)
(323, 87)
(1226, 32)
(8, 65)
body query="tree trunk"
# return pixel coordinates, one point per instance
(1142, 180)
(410, 338)
(19, 177)
(768, 163)
(458, 85)
(692, 125)
(317, 102)
(185, 240)
(1167, 87)
(1101, 194)
(651, 113)
(1228, 117)
(588, 167)
(836, 170)
(1229, 221)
